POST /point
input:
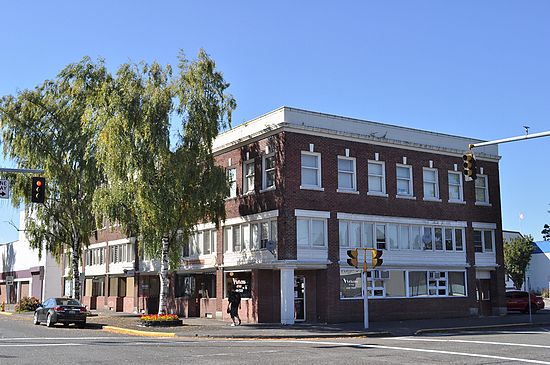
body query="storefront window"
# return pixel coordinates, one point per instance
(395, 285)
(240, 282)
(350, 284)
(457, 284)
(418, 283)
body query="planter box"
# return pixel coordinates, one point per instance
(174, 323)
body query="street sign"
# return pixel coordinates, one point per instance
(4, 189)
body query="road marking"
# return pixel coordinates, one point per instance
(39, 344)
(413, 350)
(471, 341)
(234, 353)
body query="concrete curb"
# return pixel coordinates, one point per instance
(127, 331)
(473, 328)
(290, 336)
(6, 313)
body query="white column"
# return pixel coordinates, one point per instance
(287, 295)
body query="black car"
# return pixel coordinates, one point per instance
(61, 310)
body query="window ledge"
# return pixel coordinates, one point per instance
(456, 201)
(374, 193)
(249, 193)
(347, 191)
(483, 204)
(409, 197)
(432, 200)
(267, 189)
(316, 188)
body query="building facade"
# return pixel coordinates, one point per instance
(23, 273)
(306, 187)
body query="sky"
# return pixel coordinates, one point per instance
(470, 68)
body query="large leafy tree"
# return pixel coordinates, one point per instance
(517, 254)
(49, 128)
(156, 189)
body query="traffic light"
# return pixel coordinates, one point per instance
(38, 189)
(376, 260)
(470, 169)
(352, 261)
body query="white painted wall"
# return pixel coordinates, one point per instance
(538, 271)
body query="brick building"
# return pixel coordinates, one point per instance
(306, 187)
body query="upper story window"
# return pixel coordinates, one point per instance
(377, 178)
(311, 170)
(404, 180)
(311, 232)
(482, 189)
(232, 178)
(248, 177)
(431, 184)
(394, 236)
(455, 186)
(249, 236)
(268, 171)
(483, 241)
(346, 174)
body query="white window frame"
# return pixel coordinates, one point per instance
(319, 186)
(441, 283)
(460, 187)
(353, 174)
(485, 188)
(381, 177)
(248, 186)
(310, 221)
(232, 182)
(266, 171)
(410, 195)
(483, 249)
(434, 183)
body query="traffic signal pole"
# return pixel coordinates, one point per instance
(511, 139)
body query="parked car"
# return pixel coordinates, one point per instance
(519, 301)
(60, 310)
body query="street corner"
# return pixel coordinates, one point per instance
(127, 331)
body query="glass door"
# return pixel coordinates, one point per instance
(299, 298)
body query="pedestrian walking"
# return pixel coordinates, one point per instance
(234, 306)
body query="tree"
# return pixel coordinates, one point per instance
(546, 233)
(49, 128)
(517, 254)
(154, 190)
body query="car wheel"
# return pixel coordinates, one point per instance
(81, 324)
(49, 321)
(66, 324)
(35, 319)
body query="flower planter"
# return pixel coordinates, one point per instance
(171, 323)
(160, 320)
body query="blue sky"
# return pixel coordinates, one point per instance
(470, 68)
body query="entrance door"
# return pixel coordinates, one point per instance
(483, 289)
(299, 298)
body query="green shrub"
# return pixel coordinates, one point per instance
(27, 304)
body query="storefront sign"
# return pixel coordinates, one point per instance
(350, 284)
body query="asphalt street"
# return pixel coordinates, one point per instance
(23, 343)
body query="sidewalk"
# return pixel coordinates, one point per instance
(212, 328)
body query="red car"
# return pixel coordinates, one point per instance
(518, 301)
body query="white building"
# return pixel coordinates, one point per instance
(24, 274)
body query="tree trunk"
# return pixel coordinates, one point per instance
(76, 273)
(163, 276)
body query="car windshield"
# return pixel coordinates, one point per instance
(63, 301)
